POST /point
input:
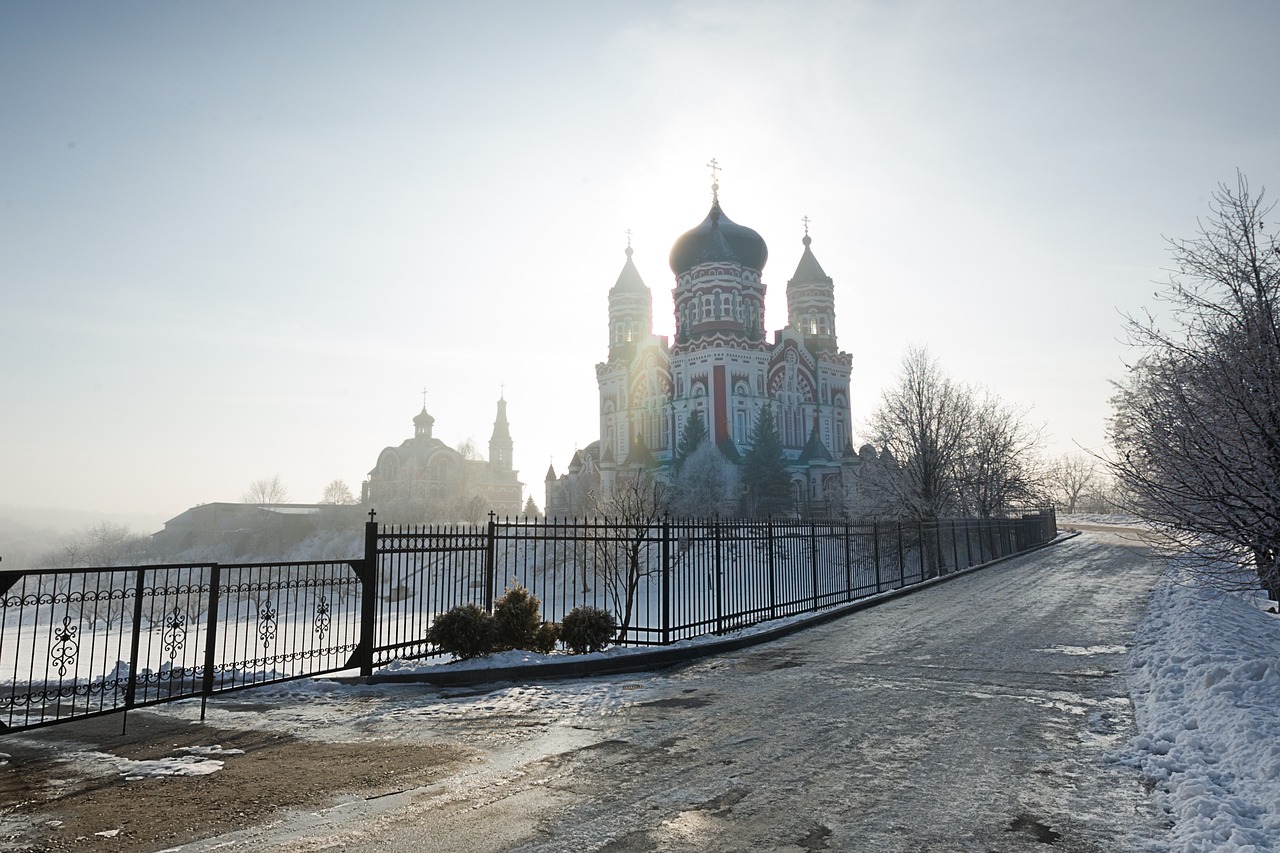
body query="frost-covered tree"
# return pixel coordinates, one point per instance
(706, 484)
(1196, 427)
(959, 450)
(1000, 466)
(268, 490)
(923, 422)
(337, 493)
(765, 481)
(1070, 479)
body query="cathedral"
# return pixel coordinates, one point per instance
(721, 364)
(425, 479)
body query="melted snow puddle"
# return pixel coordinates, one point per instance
(1082, 651)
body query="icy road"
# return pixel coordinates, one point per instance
(973, 716)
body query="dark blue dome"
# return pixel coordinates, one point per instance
(718, 240)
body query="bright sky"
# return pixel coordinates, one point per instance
(238, 239)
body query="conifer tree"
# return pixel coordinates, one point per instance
(695, 433)
(764, 469)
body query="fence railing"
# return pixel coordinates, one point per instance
(671, 579)
(84, 642)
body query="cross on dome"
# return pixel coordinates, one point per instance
(715, 179)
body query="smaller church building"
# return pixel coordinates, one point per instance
(424, 479)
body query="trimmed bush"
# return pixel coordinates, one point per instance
(587, 629)
(517, 617)
(546, 637)
(466, 631)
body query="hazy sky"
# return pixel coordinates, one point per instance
(239, 239)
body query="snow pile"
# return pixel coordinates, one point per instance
(1206, 685)
(1117, 519)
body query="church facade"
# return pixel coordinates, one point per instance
(722, 364)
(425, 479)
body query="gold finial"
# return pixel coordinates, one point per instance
(805, 220)
(715, 180)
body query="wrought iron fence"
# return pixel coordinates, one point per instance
(673, 579)
(83, 642)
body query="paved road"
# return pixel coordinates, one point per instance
(974, 716)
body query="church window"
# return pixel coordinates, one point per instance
(707, 309)
(726, 306)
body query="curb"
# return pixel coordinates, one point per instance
(668, 656)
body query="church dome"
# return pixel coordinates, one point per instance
(718, 239)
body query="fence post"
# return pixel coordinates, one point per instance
(368, 595)
(130, 692)
(922, 550)
(666, 581)
(875, 551)
(715, 533)
(955, 549)
(902, 559)
(813, 559)
(490, 555)
(848, 564)
(210, 637)
(773, 574)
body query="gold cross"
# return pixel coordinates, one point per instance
(424, 399)
(715, 179)
(628, 238)
(805, 220)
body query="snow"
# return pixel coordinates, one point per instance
(1205, 680)
(192, 763)
(1111, 519)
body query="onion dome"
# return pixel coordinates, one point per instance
(422, 423)
(718, 240)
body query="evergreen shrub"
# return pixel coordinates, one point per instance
(517, 620)
(466, 631)
(587, 629)
(545, 638)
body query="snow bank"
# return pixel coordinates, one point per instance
(1205, 682)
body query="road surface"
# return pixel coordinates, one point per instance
(974, 716)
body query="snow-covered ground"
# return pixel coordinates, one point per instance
(1205, 681)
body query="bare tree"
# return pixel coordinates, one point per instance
(626, 549)
(1071, 477)
(266, 491)
(338, 493)
(1197, 420)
